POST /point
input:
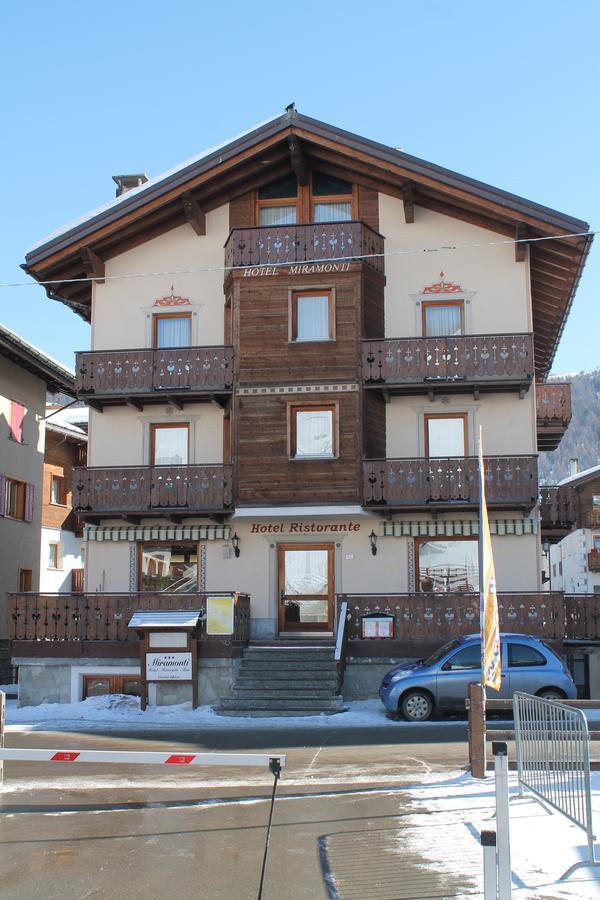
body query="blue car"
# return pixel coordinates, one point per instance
(440, 683)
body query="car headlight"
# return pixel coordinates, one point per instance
(398, 676)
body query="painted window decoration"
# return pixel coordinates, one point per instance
(169, 444)
(446, 567)
(278, 202)
(313, 432)
(332, 198)
(443, 319)
(17, 415)
(58, 490)
(53, 556)
(169, 567)
(312, 316)
(172, 330)
(445, 435)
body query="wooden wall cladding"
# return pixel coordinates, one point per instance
(373, 306)
(58, 461)
(266, 475)
(242, 211)
(368, 206)
(374, 419)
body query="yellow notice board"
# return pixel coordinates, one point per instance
(219, 615)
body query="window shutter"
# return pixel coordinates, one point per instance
(2, 495)
(17, 414)
(29, 503)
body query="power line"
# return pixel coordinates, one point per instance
(405, 252)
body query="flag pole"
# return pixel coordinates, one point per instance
(480, 557)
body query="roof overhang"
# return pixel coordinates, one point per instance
(33, 360)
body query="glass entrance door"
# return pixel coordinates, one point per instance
(305, 587)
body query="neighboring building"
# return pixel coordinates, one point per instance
(299, 415)
(575, 558)
(62, 556)
(25, 375)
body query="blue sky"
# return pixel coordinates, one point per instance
(503, 92)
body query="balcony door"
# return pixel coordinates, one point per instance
(306, 587)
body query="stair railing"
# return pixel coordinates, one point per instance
(341, 637)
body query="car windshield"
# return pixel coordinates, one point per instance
(438, 654)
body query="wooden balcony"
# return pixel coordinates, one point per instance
(403, 484)
(81, 618)
(152, 490)
(594, 561)
(553, 407)
(441, 364)
(556, 511)
(592, 518)
(329, 243)
(137, 377)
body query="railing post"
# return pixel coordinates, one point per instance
(490, 868)
(500, 751)
(477, 743)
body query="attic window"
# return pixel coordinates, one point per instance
(278, 202)
(334, 203)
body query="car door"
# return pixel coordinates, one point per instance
(459, 671)
(528, 668)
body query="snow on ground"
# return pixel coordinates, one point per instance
(543, 844)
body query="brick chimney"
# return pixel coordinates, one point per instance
(127, 182)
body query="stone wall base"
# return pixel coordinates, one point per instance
(363, 676)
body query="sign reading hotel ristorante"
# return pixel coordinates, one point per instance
(168, 666)
(321, 268)
(304, 527)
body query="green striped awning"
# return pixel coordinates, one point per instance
(156, 533)
(456, 527)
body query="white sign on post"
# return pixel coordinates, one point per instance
(168, 666)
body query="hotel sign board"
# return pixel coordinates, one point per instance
(168, 667)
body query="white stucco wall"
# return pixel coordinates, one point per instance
(571, 556)
(70, 556)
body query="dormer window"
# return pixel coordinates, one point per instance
(324, 199)
(331, 198)
(278, 202)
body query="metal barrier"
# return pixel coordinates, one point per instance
(553, 761)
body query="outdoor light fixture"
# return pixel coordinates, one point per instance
(373, 542)
(235, 543)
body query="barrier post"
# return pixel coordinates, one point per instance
(477, 748)
(2, 713)
(500, 751)
(490, 868)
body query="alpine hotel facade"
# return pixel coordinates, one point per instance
(291, 410)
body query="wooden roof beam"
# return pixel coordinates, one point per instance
(298, 160)
(520, 244)
(194, 213)
(408, 201)
(93, 265)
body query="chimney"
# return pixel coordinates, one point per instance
(574, 466)
(127, 182)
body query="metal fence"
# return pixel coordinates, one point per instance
(553, 761)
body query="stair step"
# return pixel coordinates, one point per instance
(281, 703)
(291, 654)
(275, 679)
(264, 693)
(291, 665)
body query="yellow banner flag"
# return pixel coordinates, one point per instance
(491, 654)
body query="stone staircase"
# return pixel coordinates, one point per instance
(282, 678)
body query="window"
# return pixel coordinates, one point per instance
(446, 567)
(169, 567)
(100, 685)
(169, 444)
(596, 501)
(313, 432)
(25, 579)
(17, 414)
(312, 316)
(15, 499)
(596, 542)
(172, 330)
(278, 202)
(469, 658)
(520, 655)
(445, 435)
(53, 556)
(331, 198)
(443, 319)
(58, 490)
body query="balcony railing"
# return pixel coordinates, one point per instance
(149, 489)
(105, 617)
(594, 560)
(405, 483)
(556, 508)
(193, 370)
(592, 518)
(553, 411)
(472, 360)
(322, 242)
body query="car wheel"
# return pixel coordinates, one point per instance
(551, 694)
(417, 706)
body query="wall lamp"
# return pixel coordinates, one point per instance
(373, 543)
(235, 543)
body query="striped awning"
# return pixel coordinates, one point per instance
(156, 533)
(456, 527)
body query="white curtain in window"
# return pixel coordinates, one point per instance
(312, 318)
(170, 446)
(333, 211)
(173, 332)
(314, 432)
(442, 321)
(446, 437)
(277, 215)
(306, 572)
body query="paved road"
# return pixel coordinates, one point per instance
(83, 831)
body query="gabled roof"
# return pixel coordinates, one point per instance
(229, 170)
(581, 477)
(30, 358)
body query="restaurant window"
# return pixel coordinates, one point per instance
(25, 579)
(58, 490)
(172, 330)
(53, 556)
(447, 566)
(17, 414)
(312, 316)
(312, 432)
(278, 202)
(443, 319)
(169, 444)
(445, 435)
(331, 198)
(169, 567)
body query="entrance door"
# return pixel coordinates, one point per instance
(305, 587)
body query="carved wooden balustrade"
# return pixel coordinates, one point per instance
(143, 489)
(195, 370)
(290, 244)
(405, 483)
(556, 506)
(553, 412)
(105, 617)
(464, 359)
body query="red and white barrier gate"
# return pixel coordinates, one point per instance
(137, 757)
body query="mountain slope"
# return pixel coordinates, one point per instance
(582, 440)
